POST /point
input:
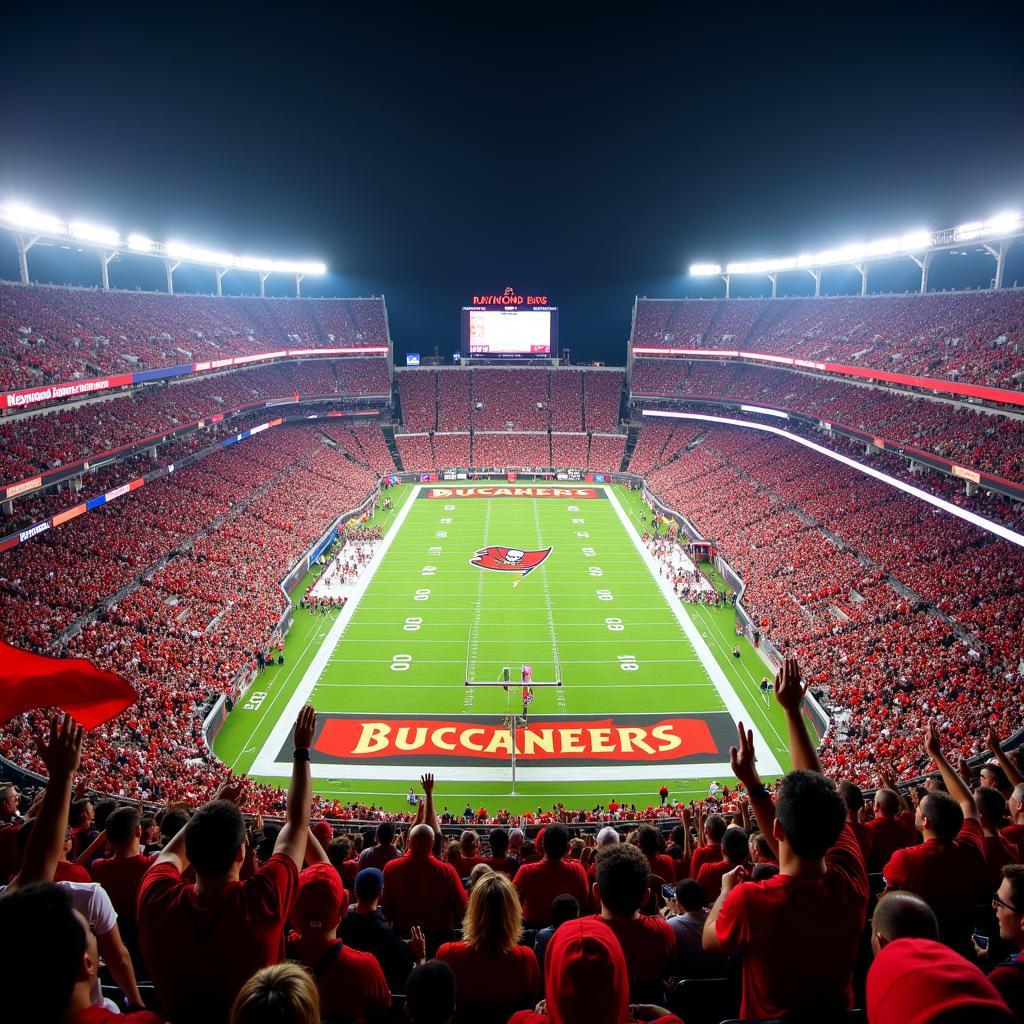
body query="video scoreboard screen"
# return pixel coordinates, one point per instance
(510, 332)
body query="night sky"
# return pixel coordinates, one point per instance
(430, 152)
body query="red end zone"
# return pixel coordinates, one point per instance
(583, 493)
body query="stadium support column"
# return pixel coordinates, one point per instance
(105, 258)
(23, 248)
(298, 286)
(263, 284)
(170, 267)
(816, 274)
(774, 278)
(862, 269)
(924, 263)
(220, 277)
(1000, 258)
(725, 278)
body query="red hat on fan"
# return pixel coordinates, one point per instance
(918, 981)
(586, 975)
(321, 900)
(323, 832)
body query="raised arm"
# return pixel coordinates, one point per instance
(743, 759)
(1009, 768)
(790, 693)
(291, 840)
(429, 814)
(61, 753)
(955, 786)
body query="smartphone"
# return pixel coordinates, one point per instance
(668, 891)
(981, 940)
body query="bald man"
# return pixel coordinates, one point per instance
(421, 890)
(902, 915)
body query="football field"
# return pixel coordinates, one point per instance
(631, 688)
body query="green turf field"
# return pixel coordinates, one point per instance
(649, 687)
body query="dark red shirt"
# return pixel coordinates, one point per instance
(351, 983)
(649, 946)
(121, 877)
(999, 851)
(704, 855)
(951, 879)
(663, 866)
(1015, 833)
(710, 879)
(492, 977)
(1008, 978)
(508, 866)
(538, 884)
(816, 923)
(887, 836)
(423, 891)
(200, 952)
(101, 1015)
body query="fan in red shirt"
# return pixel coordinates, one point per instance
(947, 870)
(1008, 976)
(736, 851)
(121, 875)
(648, 942)
(539, 883)
(853, 800)
(709, 851)
(799, 931)
(468, 854)
(202, 942)
(421, 890)
(499, 859)
(661, 864)
(1015, 797)
(999, 851)
(491, 969)
(586, 980)
(889, 830)
(351, 983)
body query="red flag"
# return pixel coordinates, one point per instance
(89, 694)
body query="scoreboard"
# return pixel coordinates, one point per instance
(507, 327)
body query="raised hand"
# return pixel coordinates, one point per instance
(417, 943)
(733, 878)
(62, 751)
(932, 740)
(305, 727)
(427, 782)
(742, 758)
(993, 742)
(789, 690)
(230, 790)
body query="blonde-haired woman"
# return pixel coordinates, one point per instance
(490, 966)
(279, 994)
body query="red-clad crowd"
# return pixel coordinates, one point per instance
(50, 334)
(975, 337)
(970, 437)
(900, 612)
(798, 902)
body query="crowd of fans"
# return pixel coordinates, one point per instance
(974, 337)
(512, 399)
(899, 611)
(794, 902)
(970, 437)
(49, 334)
(483, 449)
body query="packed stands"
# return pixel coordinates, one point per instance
(972, 437)
(416, 451)
(915, 617)
(606, 452)
(50, 334)
(417, 393)
(602, 398)
(452, 449)
(975, 337)
(569, 450)
(520, 450)
(567, 400)
(514, 399)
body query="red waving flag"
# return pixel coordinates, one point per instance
(89, 694)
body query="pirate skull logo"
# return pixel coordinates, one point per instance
(513, 556)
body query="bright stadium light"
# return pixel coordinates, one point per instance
(140, 243)
(913, 241)
(196, 254)
(19, 215)
(259, 263)
(87, 232)
(1007, 221)
(705, 270)
(297, 267)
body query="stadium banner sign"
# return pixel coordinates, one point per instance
(988, 394)
(550, 741)
(69, 389)
(584, 493)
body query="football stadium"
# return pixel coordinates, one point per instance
(498, 527)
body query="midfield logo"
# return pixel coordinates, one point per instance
(509, 559)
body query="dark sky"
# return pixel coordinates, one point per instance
(432, 151)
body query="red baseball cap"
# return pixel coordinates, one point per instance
(323, 832)
(586, 976)
(918, 981)
(321, 900)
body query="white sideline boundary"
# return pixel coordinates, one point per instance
(266, 763)
(768, 764)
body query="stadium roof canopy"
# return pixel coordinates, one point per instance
(995, 236)
(33, 227)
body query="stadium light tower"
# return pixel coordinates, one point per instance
(995, 235)
(31, 227)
